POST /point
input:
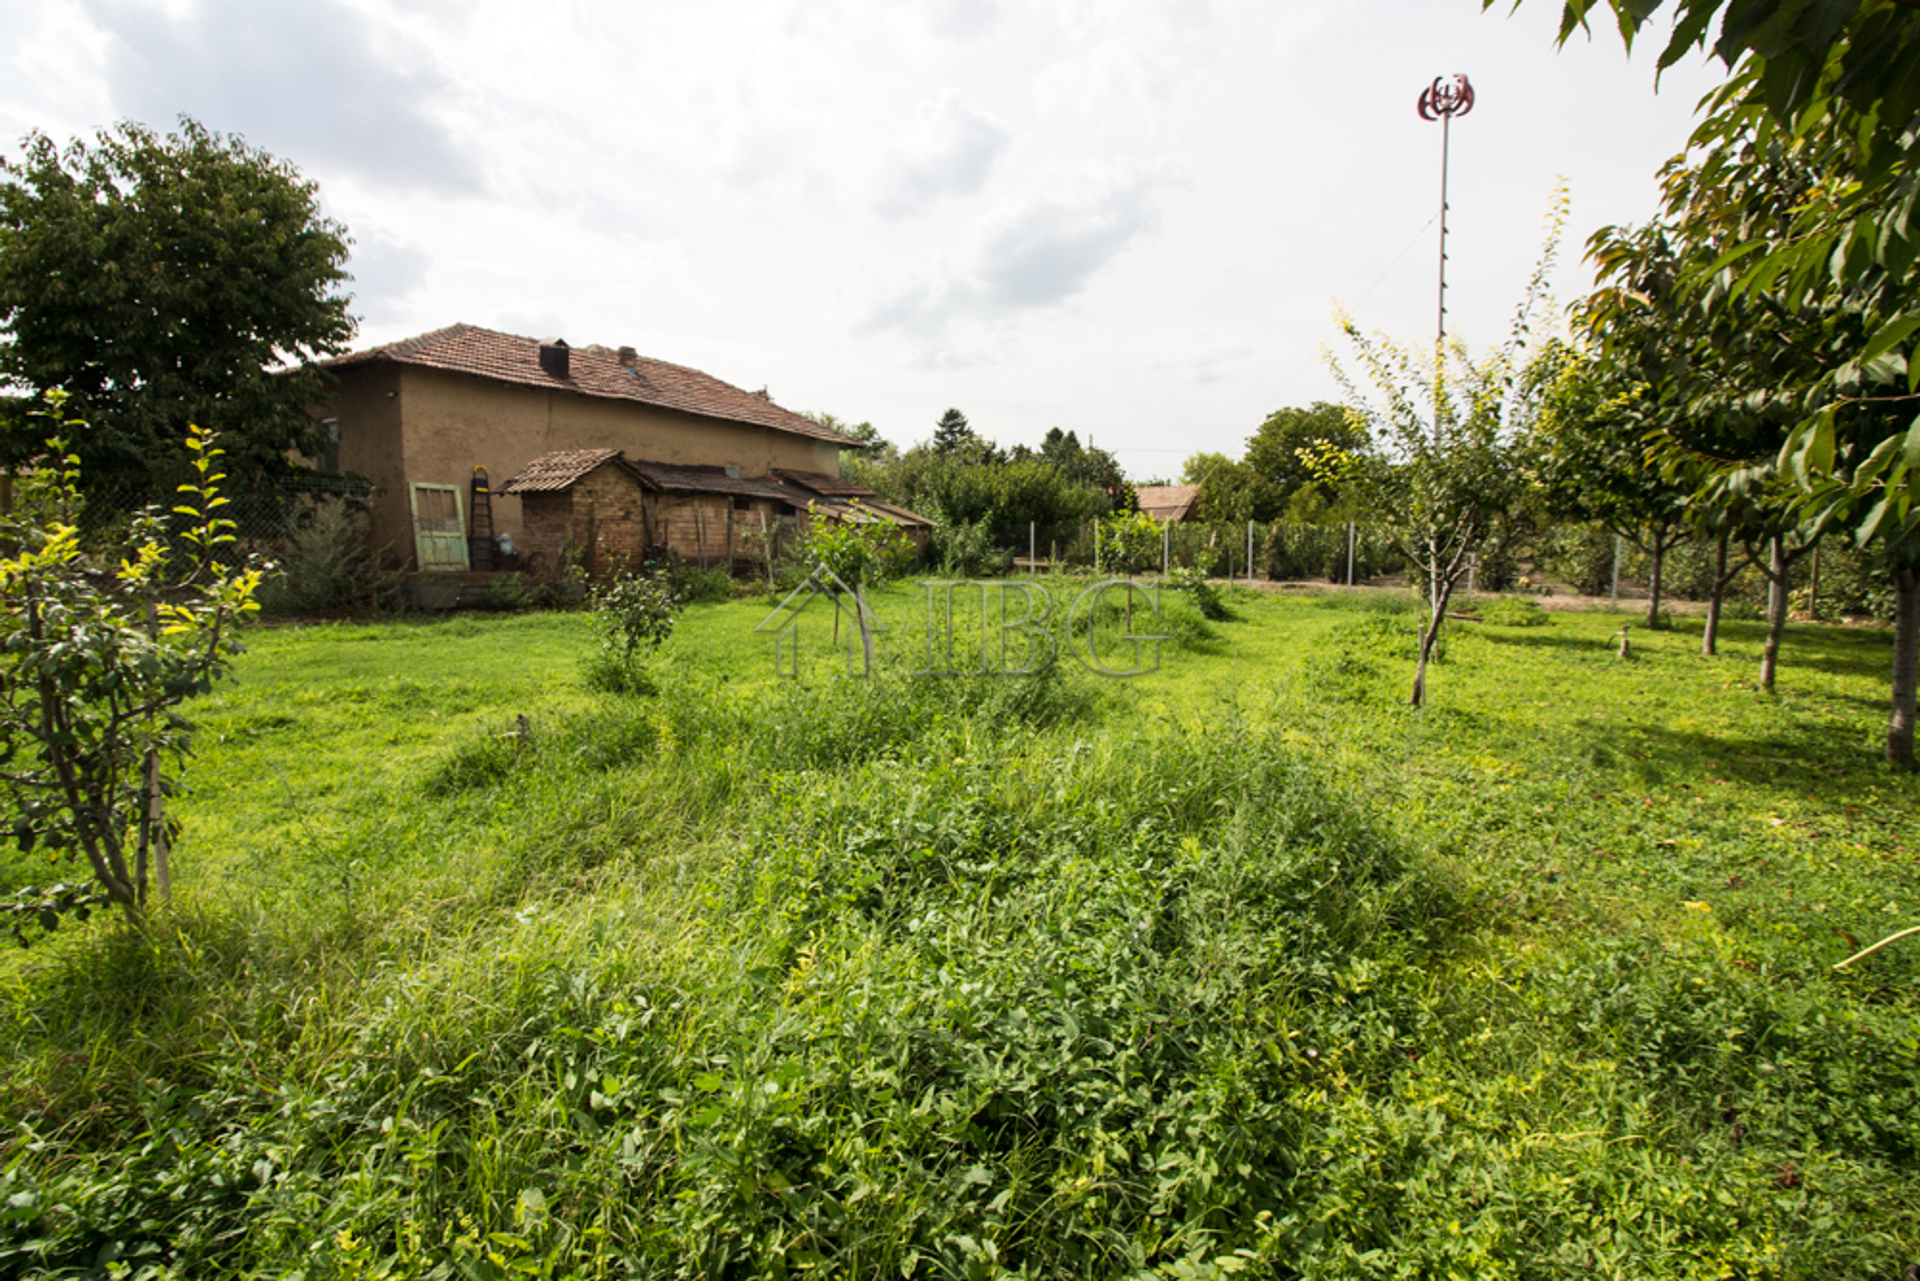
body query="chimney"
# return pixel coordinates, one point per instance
(765, 395)
(553, 356)
(629, 358)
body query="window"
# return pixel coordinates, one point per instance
(330, 452)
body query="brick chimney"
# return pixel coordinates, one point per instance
(554, 356)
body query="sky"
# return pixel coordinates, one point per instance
(1131, 219)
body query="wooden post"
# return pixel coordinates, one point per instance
(766, 549)
(1032, 549)
(1166, 546)
(1349, 553)
(1249, 553)
(1614, 601)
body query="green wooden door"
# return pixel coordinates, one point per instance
(439, 531)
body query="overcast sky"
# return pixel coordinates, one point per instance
(1129, 218)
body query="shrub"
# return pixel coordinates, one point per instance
(1206, 598)
(859, 550)
(632, 617)
(1515, 612)
(330, 567)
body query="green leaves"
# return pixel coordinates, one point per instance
(92, 665)
(164, 280)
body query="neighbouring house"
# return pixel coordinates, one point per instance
(418, 417)
(1173, 503)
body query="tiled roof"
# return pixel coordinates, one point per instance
(1167, 502)
(821, 483)
(592, 371)
(558, 470)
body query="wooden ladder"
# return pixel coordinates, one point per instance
(480, 530)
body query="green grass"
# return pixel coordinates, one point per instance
(1241, 967)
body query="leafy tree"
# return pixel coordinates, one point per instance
(1449, 473)
(1229, 489)
(93, 661)
(164, 281)
(1280, 456)
(1592, 457)
(863, 550)
(1828, 96)
(952, 433)
(1129, 543)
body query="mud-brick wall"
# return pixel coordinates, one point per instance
(694, 525)
(546, 522)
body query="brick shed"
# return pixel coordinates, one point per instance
(587, 504)
(605, 510)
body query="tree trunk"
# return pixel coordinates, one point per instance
(1906, 666)
(1442, 593)
(1776, 609)
(1710, 637)
(1657, 555)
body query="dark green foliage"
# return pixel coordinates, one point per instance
(952, 433)
(1281, 455)
(168, 280)
(330, 568)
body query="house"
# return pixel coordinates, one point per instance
(419, 416)
(1174, 503)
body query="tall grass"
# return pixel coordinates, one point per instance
(961, 978)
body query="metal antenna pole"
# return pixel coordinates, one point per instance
(1442, 100)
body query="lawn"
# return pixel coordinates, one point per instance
(1240, 967)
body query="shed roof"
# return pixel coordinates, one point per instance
(674, 478)
(592, 371)
(557, 470)
(821, 483)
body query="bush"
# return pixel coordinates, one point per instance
(632, 617)
(1514, 612)
(857, 552)
(330, 567)
(687, 582)
(1206, 598)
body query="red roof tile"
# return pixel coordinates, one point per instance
(592, 371)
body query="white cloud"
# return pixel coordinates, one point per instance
(1034, 252)
(314, 80)
(386, 273)
(964, 19)
(953, 151)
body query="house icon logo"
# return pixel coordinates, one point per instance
(854, 624)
